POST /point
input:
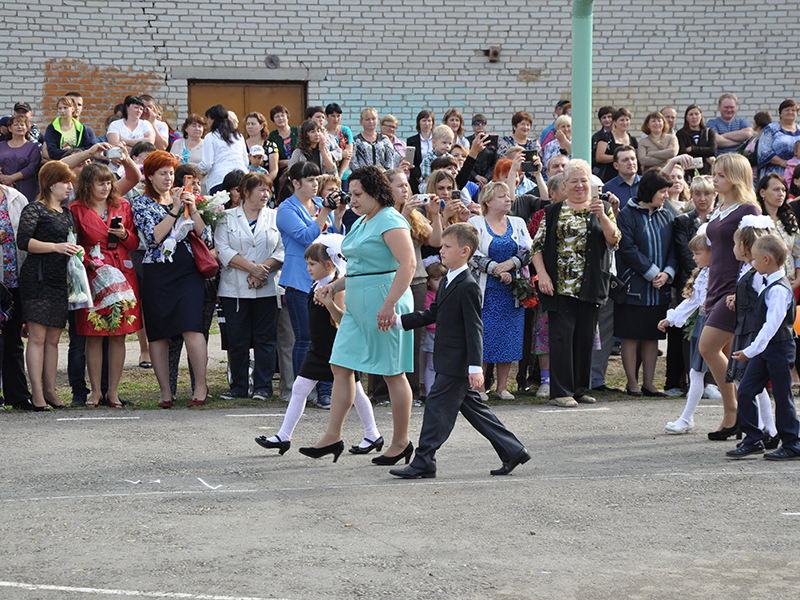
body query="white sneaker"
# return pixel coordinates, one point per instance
(679, 427)
(674, 392)
(505, 395)
(484, 396)
(712, 392)
(543, 391)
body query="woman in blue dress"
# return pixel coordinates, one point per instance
(380, 266)
(776, 144)
(503, 251)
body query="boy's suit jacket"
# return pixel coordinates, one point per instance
(459, 329)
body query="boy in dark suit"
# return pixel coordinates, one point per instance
(457, 358)
(771, 356)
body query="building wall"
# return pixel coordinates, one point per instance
(401, 56)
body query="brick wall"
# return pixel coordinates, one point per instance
(401, 56)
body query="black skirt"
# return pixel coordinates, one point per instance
(172, 296)
(639, 322)
(317, 364)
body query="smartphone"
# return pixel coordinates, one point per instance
(528, 166)
(113, 240)
(411, 152)
(697, 162)
(187, 186)
(493, 139)
(455, 195)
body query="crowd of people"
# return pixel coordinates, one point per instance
(327, 236)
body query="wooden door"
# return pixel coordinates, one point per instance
(243, 97)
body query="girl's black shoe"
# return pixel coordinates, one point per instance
(281, 446)
(377, 445)
(724, 433)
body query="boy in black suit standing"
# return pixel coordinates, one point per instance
(457, 359)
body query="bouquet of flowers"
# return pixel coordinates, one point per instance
(212, 210)
(80, 294)
(113, 296)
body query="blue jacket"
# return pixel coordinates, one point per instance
(52, 137)
(644, 251)
(298, 231)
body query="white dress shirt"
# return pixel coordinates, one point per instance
(778, 300)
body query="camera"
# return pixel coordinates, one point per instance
(603, 196)
(424, 199)
(697, 162)
(336, 198)
(113, 153)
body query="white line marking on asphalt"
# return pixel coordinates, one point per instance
(208, 486)
(133, 482)
(128, 593)
(97, 419)
(398, 482)
(791, 514)
(244, 416)
(573, 410)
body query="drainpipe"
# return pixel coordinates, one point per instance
(582, 20)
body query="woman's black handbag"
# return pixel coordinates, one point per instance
(618, 290)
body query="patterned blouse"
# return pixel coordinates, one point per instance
(148, 213)
(571, 245)
(380, 153)
(507, 141)
(9, 246)
(792, 242)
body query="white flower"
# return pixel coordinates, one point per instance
(218, 199)
(167, 248)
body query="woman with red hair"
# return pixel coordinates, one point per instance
(172, 286)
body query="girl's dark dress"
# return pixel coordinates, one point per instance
(43, 277)
(316, 365)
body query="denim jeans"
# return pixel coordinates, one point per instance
(297, 305)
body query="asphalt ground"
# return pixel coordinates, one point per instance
(183, 504)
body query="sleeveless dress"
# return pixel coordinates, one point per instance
(371, 268)
(723, 270)
(316, 365)
(503, 321)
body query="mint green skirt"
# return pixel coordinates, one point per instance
(359, 344)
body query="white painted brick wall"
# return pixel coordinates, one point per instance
(411, 54)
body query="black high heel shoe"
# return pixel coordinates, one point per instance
(377, 445)
(336, 449)
(724, 433)
(54, 405)
(393, 460)
(281, 446)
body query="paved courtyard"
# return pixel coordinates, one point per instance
(183, 504)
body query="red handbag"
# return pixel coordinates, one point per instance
(205, 261)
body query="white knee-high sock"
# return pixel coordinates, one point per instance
(766, 420)
(366, 414)
(430, 374)
(300, 389)
(694, 394)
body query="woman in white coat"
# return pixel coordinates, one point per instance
(250, 249)
(503, 251)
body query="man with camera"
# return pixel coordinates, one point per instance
(624, 185)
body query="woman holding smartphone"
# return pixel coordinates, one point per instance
(172, 286)
(103, 217)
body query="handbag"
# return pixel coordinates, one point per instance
(205, 261)
(618, 290)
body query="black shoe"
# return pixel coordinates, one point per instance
(653, 393)
(280, 445)
(724, 433)
(782, 454)
(746, 450)
(412, 473)
(54, 405)
(393, 460)
(26, 404)
(605, 388)
(519, 459)
(771, 442)
(636, 394)
(336, 449)
(377, 445)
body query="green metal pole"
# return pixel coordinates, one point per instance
(582, 21)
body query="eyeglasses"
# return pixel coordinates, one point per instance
(479, 123)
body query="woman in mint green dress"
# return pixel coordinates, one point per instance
(380, 266)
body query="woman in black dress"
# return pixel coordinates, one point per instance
(172, 287)
(43, 228)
